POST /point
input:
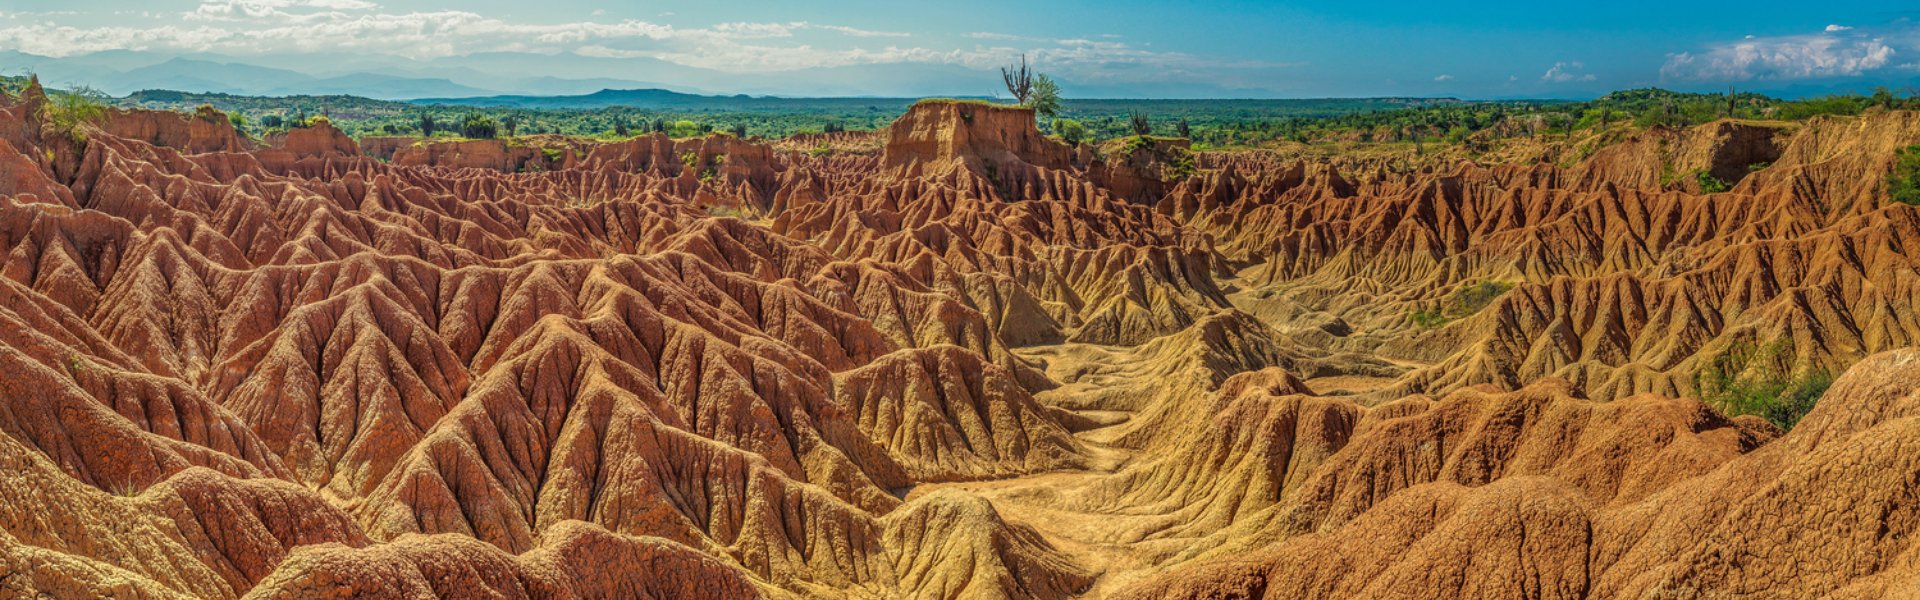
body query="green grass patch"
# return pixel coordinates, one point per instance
(1708, 183)
(1466, 301)
(1427, 318)
(967, 101)
(1744, 380)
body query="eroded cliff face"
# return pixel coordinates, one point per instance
(974, 363)
(204, 131)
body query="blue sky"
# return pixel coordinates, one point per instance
(1285, 49)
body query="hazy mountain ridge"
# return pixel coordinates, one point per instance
(122, 72)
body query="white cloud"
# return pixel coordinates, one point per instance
(38, 14)
(1565, 71)
(257, 9)
(361, 27)
(757, 30)
(861, 32)
(1443, 77)
(1837, 51)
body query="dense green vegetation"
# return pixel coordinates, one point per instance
(67, 110)
(1474, 123)
(1742, 380)
(1210, 124)
(368, 117)
(1708, 183)
(683, 114)
(1903, 184)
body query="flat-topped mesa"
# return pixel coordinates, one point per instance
(728, 169)
(986, 137)
(317, 139)
(492, 154)
(1143, 168)
(206, 130)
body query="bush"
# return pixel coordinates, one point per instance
(479, 127)
(1045, 99)
(1070, 130)
(1472, 298)
(1903, 184)
(1708, 183)
(1743, 380)
(683, 129)
(1180, 164)
(67, 111)
(1466, 301)
(1139, 123)
(731, 212)
(1428, 318)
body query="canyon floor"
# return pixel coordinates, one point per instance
(952, 359)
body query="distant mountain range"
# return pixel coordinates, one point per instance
(506, 74)
(574, 81)
(659, 99)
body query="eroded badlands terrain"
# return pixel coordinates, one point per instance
(953, 359)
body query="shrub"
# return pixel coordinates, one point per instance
(1903, 184)
(1474, 297)
(1045, 98)
(1708, 183)
(683, 129)
(732, 212)
(67, 111)
(1070, 130)
(1743, 380)
(479, 127)
(1179, 164)
(1428, 318)
(1466, 301)
(1139, 122)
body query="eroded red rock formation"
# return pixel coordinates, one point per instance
(464, 369)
